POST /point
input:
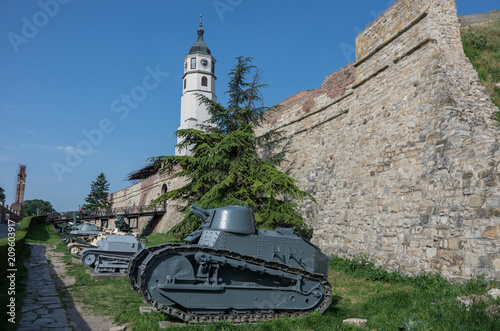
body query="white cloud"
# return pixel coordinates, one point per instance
(68, 149)
(64, 149)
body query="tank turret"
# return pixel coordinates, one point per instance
(235, 219)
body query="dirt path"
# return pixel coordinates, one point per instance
(78, 319)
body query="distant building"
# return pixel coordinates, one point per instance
(20, 186)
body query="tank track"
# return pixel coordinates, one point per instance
(82, 246)
(111, 256)
(139, 257)
(235, 318)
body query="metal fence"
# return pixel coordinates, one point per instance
(111, 212)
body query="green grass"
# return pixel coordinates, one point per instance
(482, 47)
(389, 301)
(42, 234)
(160, 238)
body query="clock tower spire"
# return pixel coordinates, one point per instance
(199, 78)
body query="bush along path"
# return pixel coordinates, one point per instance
(47, 305)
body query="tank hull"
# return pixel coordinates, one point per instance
(112, 255)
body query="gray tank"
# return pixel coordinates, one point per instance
(112, 254)
(231, 271)
(85, 229)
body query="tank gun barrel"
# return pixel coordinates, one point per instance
(200, 212)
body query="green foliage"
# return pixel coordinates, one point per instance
(2, 195)
(43, 234)
(160, 238)
(225, 167)
(482, 46)
(409, 323)
(37, 207)
(361, 267)
(10, 250)
(394, 301)
(98, 196)
(475, 38)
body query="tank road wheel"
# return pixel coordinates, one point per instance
(165, 270)
(74, 250)
(89, 259)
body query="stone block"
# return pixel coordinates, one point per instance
(491, 232)
(430, 253)
(476, 201)
(117, 328)
(356, 321)
(146, 309)
(167, 324)
(494, 293)
(453, 244)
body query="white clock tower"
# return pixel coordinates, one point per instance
(199, 78)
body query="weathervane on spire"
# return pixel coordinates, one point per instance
(200, 20)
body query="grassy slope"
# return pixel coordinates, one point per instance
(482, 46)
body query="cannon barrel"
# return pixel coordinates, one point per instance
(200, 212)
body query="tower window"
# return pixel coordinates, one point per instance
(213, 67)
(184, 83)
(204, 81)
(193, 63)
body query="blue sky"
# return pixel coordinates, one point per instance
(65, 64)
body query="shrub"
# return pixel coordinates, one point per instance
(20, 238)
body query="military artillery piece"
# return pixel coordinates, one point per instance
(233, 272)
(121, 225)
(112, 254)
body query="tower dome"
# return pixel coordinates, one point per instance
(200, 46)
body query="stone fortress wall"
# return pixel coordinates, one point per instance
(399, 149)
(142, 194)
(403, 161)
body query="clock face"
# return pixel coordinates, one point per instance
(204, 63)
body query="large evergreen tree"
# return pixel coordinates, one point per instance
(98, 196)
(225, 167)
